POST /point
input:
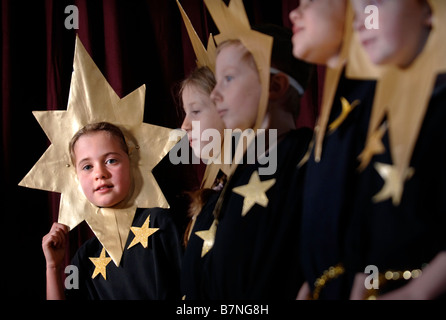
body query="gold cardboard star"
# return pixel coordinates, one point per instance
(233, 24)
(254, 192)
(346, 109)
(205, 57)
(393, 182)
(403, 95)
(91, 100)
(100, 265)
(208, 237)
(373, 147)
(142, 233)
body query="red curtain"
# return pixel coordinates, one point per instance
(133, 43)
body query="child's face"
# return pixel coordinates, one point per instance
(318, 29)
(199, 107)
(403, 30)
(103, 168)
(238, 90)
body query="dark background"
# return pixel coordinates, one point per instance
(133, 43)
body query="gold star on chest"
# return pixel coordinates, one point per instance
(142, 234)
(208, 237)
(346, 109)
(100, 264)
(393, 182)
(254, 192)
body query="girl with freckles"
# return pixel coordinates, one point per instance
(149, 268)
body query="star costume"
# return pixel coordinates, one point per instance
(255, 253)
(149, 269)
(330, 185)
(92, 100)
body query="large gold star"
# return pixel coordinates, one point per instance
(393, 182)
(346, 109)
(403, 95)
(91, 100)
(233, 24)
(208, 237)
(142, 233)
(254, 192)
(100, 265)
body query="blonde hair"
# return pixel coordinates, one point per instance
(95, 127)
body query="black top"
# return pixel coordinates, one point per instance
(144, 273)
(256, 256)
(192, 267)
(330, 186)
(407, 236)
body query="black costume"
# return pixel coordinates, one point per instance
(256, 256)
(144, 273)
(330, 186)
(407, 236)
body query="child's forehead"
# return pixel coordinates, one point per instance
(233, 54)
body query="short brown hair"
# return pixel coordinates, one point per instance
(95, 127)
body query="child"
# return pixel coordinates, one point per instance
(404, 239)
(319, 29)
(150, 263)
(195, 93)
(251, 257)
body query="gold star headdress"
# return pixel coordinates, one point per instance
(205, 58)
(403, 96)
(332, 76)
(233, 24)
(91, 100)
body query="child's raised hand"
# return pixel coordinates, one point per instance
(54, 244)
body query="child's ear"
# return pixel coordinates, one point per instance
(427, 14)
(278, 86)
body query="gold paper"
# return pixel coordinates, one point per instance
(208, 237)
(254, 192)
(233, 24)
(142, 234)
(100, 265)
(332, 76)
(403, 94)
(205, 57)
(91, 100)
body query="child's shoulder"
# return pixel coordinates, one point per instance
(158, 216)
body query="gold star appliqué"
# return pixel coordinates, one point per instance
(142, 233)
(208, 237)
(393, 182)
(100, 265)
(254, 192)
(346, 109)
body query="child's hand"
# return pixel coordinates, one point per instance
(54, 244)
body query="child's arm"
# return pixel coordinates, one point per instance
(430, 285)
(53, 245)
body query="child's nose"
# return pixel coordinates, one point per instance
(186, 125)
(101, 172)
(216, 96)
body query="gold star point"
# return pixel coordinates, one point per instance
(208, 237)
(100, 265)
(347, 108)
(142, 234)
(373, 146)
(254, 192)
(393, 182)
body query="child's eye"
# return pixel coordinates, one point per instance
(87, 167)
(195, 112)
(111, 161)
(229, 78)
